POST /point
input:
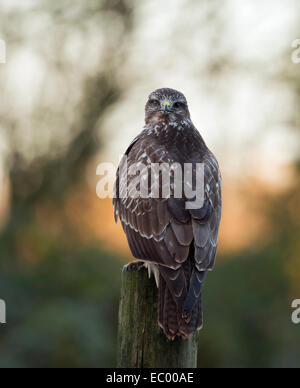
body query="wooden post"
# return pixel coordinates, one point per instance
(141, 342)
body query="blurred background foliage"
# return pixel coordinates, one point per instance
(74, 70)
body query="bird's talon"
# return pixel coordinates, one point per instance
(133, 266)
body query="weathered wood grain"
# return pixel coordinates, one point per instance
(141, 342)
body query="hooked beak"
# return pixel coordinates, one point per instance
(166, 105)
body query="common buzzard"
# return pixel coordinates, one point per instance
(177, 242)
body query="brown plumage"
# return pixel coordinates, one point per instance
(180, 243)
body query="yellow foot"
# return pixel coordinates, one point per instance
(133, 266)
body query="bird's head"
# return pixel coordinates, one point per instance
(166, 105)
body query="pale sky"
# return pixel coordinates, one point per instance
(242, 114)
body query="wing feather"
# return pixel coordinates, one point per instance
(183, 243)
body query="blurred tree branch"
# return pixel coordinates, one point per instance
(50, 177)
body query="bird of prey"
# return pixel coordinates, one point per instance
(177, 243)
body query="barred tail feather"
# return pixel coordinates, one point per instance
(172, 317)
(168, 311)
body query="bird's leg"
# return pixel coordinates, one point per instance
(133, 266)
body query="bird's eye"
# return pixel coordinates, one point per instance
(154, 103)
(178, 105)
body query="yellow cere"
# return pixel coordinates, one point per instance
(166, 102)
